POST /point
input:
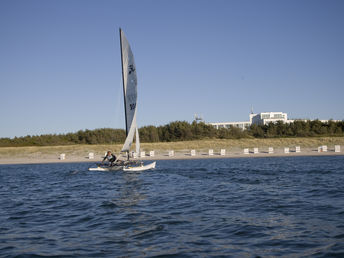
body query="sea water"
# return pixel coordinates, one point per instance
(290, 206)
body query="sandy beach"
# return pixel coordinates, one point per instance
(54, 156)
(234, 148)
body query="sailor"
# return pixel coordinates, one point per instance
(111, 158)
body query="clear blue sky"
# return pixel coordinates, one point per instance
(60, 68)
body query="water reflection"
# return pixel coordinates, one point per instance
(129, 194)
(133, 222)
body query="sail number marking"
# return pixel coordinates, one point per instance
(131, 68)
(132, 106)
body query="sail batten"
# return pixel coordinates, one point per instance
(129, 91)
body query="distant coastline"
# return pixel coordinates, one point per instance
(233, 148)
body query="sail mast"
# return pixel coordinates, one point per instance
(124, 93)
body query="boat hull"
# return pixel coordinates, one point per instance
(125, 168)
(140, 168)
(115, 168)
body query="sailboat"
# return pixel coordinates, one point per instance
(130, 108)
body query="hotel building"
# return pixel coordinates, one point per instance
(259, 119)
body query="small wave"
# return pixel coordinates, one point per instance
(176, 222)
(143, 233)
(340, 236)
(250, 231)
(6, 248)
(85, 219)
(109, 204)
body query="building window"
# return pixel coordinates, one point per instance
(278, 116)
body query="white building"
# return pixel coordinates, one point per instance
(241, 125)
(269, 117)
(259, 119)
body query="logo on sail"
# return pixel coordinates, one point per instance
(131, 68)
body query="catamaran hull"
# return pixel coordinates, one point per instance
(140, 168)
(115, 168)
(125, 168)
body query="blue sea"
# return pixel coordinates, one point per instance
(245, 207)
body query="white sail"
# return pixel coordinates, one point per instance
(130, 137)
(129, 90)
(137, 140)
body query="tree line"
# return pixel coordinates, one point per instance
(182, 131)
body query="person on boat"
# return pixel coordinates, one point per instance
(111, 158)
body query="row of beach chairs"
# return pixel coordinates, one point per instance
(247, 151)
(270, 150)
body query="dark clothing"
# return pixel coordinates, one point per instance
(111, 158)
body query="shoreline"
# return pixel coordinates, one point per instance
(178, 155)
